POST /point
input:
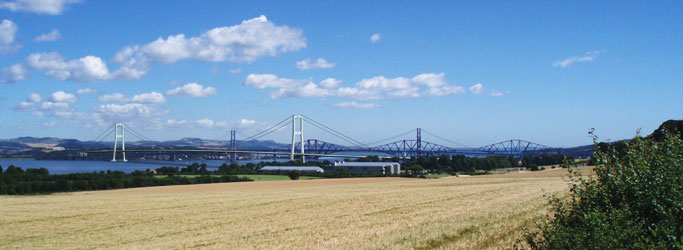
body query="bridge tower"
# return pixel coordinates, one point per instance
(233, 144)
(418, 145)
(300, 133)
(119, 131)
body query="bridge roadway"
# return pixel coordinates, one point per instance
(222, 151)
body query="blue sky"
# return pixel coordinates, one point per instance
(472, 72)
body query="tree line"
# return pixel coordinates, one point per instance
(14, 180)
(461, 163)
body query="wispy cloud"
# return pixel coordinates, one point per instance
(54, 35)
(52, 7)
(589, 56)
(356, 105)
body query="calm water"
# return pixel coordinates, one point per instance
(68, 167)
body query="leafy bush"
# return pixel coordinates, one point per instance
(532, 167)
(293, 174)
(634, 202)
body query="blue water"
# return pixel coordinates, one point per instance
(68, 167)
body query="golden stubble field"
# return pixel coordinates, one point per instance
(386, 213)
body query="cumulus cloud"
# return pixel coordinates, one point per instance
(61, 96)
(151, 97)
(86, 91)
(8, 31)
(205, 123)
(176, 123)
(286, 87)
(244, 42)
(116, 97)
(477, 89)
(192, 90)
(54, 35)
(52, 7)
(321, 63)
(589, 56)
(109, 113)
(85, 69)
(14, 73)
(429, 84)
(58, 103)
(496, 93)
(356, 105)
(375, 37)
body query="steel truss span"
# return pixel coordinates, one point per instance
(409, 148)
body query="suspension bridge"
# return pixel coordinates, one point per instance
(300, 148)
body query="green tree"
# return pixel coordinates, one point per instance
(635, 200)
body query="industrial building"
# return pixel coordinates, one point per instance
(367, 167)
(288, 168)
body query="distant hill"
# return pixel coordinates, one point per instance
(73, 144)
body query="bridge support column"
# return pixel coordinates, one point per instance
(119, 128)
(300, 133)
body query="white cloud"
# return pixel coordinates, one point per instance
(109, 113)
(205, 123)
(193, 90)
(321, 63)
(8, 31)
(286, 88)
(244, 42)
(477, 89)
(330, 83)
(374, 88)
(356, 105)
(116, 97)
(427, 84)
(235, 71)
(85, 69)
(152, 97)
(375, 37)
(52, 7)
(496, 93)
(24, 106)
(34, 98)
(86, 91)
(208, 123)
(589, 56)
(49, 124)
(54, 35)
(61, 96)
(14, 73)
(176, 123)
(244, 123)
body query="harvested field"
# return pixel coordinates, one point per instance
(465, 212)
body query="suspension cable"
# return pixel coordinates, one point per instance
(349, 141)
(103, 135)
(265, 132)
(337, 132)
(390, 138)
(137, 134)
(447, 140)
